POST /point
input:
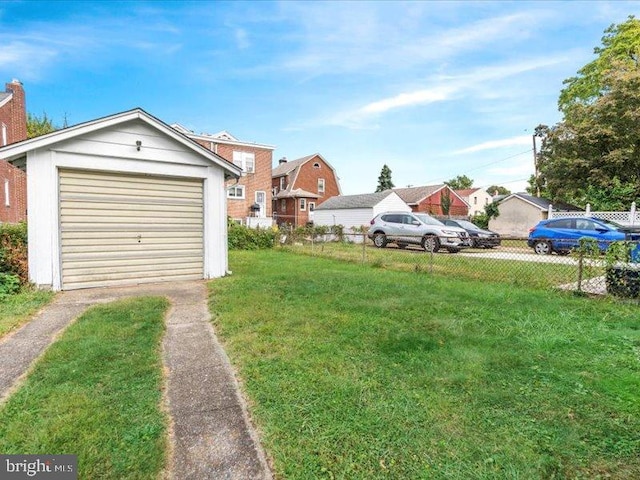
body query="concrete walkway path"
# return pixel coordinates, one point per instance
(211, 435)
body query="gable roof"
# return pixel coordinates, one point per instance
(292, 168)
(541, 203)
(295, 193)
(366, 200)
(20, 149)
(223, 137)
(465, 192)
(414, 195)
(5, 97)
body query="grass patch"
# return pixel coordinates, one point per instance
(97, 393)
(17, 309)
(443, 264)
(358, 373)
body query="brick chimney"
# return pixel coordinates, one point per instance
(15, 115)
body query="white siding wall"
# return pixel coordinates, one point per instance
(114, 150)
(349, 218)
(391, 203)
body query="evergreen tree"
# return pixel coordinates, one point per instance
(384, 180)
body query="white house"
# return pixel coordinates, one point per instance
(123, 199)
(476, 198)
(357, 210)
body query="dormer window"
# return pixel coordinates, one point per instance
(316, 165)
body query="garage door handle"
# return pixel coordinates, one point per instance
(139, 238)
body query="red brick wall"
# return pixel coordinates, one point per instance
(308, 176)
(433, 205)
(260, 180)
(14, 114)
(17, 209)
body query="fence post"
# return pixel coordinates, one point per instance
(587, 212)
(550, 211)
(364, 248)
(632, 214)
(580, 268)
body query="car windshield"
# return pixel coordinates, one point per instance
(467, 225)
(427, 220)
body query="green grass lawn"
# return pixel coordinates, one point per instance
(97, 393)
(17, 309)
(354, 372)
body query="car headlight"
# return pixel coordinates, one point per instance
(450, 233)
(483, 235)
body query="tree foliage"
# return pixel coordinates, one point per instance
(461, 182)
(37, 126)
(497, 189)
(620, 47)
(593, 154)
(384, 180)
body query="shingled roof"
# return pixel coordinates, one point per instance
(365, 200)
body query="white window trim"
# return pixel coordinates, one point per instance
(4, 134)
(245, 160)
(235, 189)
(321, 182)
(282, 183)
(7, 201)
(303, 204)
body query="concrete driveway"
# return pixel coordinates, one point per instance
(211, 433)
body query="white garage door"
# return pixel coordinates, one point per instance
(126, 229)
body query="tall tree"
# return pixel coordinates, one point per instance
(593, 154)
(384, 180)
(620, 45)
(461, 182)
(37, 126)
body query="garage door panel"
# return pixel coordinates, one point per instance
(118, 229)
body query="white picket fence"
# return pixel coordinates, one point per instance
(630, 218)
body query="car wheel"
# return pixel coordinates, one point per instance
(542, 247)
(431, 243)
(563, 252)
(380, 240)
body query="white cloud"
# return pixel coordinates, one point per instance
(419, 97)
(495, 144)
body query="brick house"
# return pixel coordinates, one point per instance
(249, 197)
(13, 128)
(431, 199)
(299, 186)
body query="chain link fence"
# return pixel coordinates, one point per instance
(585, 269)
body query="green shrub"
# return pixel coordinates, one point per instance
(9, 285)
(13, 251)
(245, 238)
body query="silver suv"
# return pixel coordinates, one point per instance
(404, 228)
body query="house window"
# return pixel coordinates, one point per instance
(321, 185)
(303, 204)
(283, 183)
(7, 203)
(4, 134)
(475, 200)
(236, 191)
(245, 160)
(283, 205)
(316, 165)
(312, 206)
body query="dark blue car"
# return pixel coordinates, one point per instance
(561, 235)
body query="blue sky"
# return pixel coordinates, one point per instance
(432, 89)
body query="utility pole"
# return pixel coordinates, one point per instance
(535, 165)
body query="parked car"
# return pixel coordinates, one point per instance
(480, 238)
(561, 235)
(404, 228)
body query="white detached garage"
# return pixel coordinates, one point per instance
(122, 200)
(356, 210)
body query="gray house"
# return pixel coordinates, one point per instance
(521, 211)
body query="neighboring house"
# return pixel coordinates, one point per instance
(431, 199)
(300, 186)
(520, 211)
(476, 198)
(357, 210)
(13, 128)
(249, 197)
(123, 199)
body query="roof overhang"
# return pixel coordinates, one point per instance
(19, 150)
